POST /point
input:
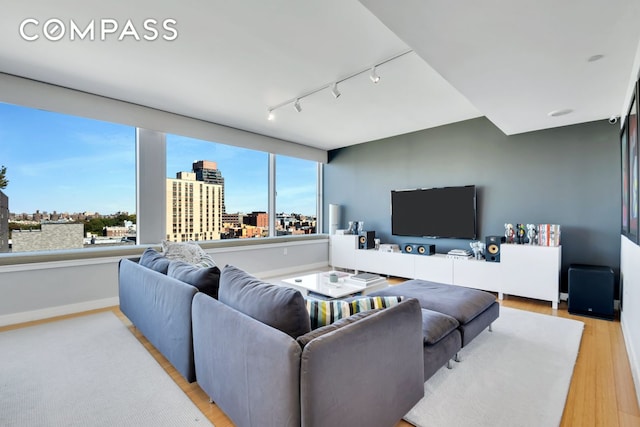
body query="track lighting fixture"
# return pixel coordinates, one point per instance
(334, 90)
(373, 75)
(333, 86)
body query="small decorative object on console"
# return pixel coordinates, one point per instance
(520, 233)
(532, 234)
(509, 233)
(478, 249)
(352, 228)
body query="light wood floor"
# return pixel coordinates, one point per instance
(601, 393)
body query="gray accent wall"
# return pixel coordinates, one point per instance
(568, 176)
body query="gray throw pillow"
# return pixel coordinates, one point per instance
(305, 339)
(277, 306)
(206, 279)
(154, 260)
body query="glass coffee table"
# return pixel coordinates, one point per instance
(319, 285)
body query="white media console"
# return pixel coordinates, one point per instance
(524, 270)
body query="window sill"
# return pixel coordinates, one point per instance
(99, 255)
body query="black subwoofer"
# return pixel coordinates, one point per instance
(591, 290)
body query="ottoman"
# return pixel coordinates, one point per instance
(474, 310)
(441, 341)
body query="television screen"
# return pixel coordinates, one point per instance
(434, 212)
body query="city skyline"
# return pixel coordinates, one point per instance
(57, 162)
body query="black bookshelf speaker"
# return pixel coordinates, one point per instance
(418, 249)
(591, 291)
(366, 240)
(492, 249)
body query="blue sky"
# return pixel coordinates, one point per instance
(57, 162)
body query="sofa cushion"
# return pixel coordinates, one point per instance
(206, 279)
(154, 260)
(277, 306)
(463, 304)
(436, 326)
(305, 339)
(189, 252)
(323, 312)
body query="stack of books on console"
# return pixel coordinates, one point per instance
(459, 254)
(549, 235)
(365, 279)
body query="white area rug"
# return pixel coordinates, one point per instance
(87, 371)
(517, 375)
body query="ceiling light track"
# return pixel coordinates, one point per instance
(333, 86)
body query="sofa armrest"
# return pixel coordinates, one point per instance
(160, 307)
(251, 370)
(367, 373)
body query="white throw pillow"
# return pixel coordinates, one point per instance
(189, 252)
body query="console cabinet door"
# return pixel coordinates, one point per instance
(384, 263)
(476, 274)
(342, 249)
(435, 268)
(531, 271)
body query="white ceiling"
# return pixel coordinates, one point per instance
(512, 62)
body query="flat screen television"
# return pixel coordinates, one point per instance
(434, 212)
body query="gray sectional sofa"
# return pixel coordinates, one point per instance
(257, 358)
(250, 346)
(156, 294)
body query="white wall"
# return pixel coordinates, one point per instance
(42, 290)
(629, 271)
(630, 315)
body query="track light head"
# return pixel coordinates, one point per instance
(270, 115)
(334, 90)
(297, 106)
(374, 76)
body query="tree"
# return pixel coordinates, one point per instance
(3, 178)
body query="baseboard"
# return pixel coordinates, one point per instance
(631, 354)
(46, 313)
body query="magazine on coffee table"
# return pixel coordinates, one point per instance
(365, 277)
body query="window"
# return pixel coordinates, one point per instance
(296, 196)
(71, 180)
(231, 200)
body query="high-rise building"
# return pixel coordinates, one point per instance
(4, 222)
(194, 209)
(208, 172)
